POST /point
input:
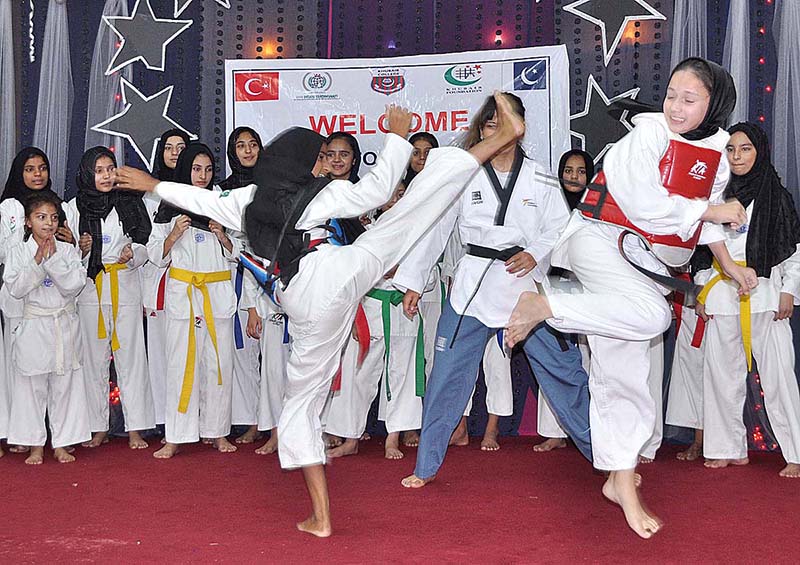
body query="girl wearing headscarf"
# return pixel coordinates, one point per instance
(29, 175)
(668, 175)
(344, 162)
(244, 146)
(766, 242)
(114, 228)
(320, 285)
(154, 279)
(200, 304)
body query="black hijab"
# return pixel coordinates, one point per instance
(424, 136)
(573, 198)
(774, 229)
(282, 172)
(15, 184)
(160, 168)
(183, 174)
(95, 206)
(240, 175)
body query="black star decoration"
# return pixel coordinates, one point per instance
(613, 16)
(143, 37)
(142, 120)
(594, 126)
(181, 5)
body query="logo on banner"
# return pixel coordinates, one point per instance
(530, 75)
(464, 78)
(253, 87)
(387, 81)
(317, 81)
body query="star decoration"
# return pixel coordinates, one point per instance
(613, 16)
(594, 126)
(143, 37)
(142, 121)
(181, 5)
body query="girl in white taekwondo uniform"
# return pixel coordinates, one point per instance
(46, 275)
(154, 278)
(200, 305)
(509, 221)
(663, 174)
(757, 326)
(114, 227)
(320, 290)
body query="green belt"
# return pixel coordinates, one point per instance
(389, 298)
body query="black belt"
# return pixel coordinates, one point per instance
(489, 253)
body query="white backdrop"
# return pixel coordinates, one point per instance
(443, 91)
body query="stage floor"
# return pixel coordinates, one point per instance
(515, 505)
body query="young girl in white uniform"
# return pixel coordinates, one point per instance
(621, 309)
(46, 275)
(767, 243)
(200, 304)
(114, 227)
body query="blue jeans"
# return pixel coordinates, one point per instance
(559, 373)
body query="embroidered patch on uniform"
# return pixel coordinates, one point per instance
(441, 343)
(276, 319)
(743, 228)
(198, 321)
(199, 237)
(476, 197)
(529, 202)
(48, 282)
(106, 238)
(12, 223)
(224, 193)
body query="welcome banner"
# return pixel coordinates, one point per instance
(443, 91)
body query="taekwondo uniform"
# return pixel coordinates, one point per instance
(46, 353)
(110, 310)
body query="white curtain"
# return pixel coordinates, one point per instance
(8, 109)
(54, 107)
(786, 117)
(689, 31)
(104, 90)
(736, 56)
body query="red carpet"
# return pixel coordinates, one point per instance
(115, 505)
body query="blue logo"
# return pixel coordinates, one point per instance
(199, 237)
(530, 75)
(48, 282)
(106, 238)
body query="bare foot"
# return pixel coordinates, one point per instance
(222, 445)
(272, 444)
(136, 441)
(411, 439)
(18, 449)
(392, 448)
(645, 460)
(62, 455)
(316, 527)
(691, 453)
(206, 441)
(531, 310)
(413, 481)
(621, 490)
(349, 447)
(98, 439)
(365, 437)
(489, 441)
(169, 450)
(460, 437)
(332, 440)
(36, 457)
(722, 463)
(792, 471)
(550, 444)
(251, 435)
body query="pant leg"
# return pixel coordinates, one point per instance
(157, 361)
(180, 427)
(66, 409)
(5, 388)
(274, 357)
(28, 409)
(774, 351)
(215, 398)
(563, 381)
(404, 411)
(497, 373)
(246, 384)
(685, 397)
(724, 390)
(621, 409)
(655, 384)
(452, 379)
(96, 363)
(546, 422)
(130, 362)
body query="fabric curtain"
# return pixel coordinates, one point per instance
(689, 31)
(786, 117)
(736, 56)
(8, 109)
(104, 91)
(56, 92)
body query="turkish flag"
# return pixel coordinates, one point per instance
(256, 86)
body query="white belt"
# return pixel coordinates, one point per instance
(33, 312)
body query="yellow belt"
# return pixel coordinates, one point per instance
(744, 309)
(113, 270)
(198, 281)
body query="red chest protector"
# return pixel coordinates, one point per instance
(686, 170)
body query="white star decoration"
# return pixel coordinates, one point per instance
(143, 37)
(181, 5)
(607, 8)
(145, 123)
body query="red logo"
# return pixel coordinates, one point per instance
(256, 86)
